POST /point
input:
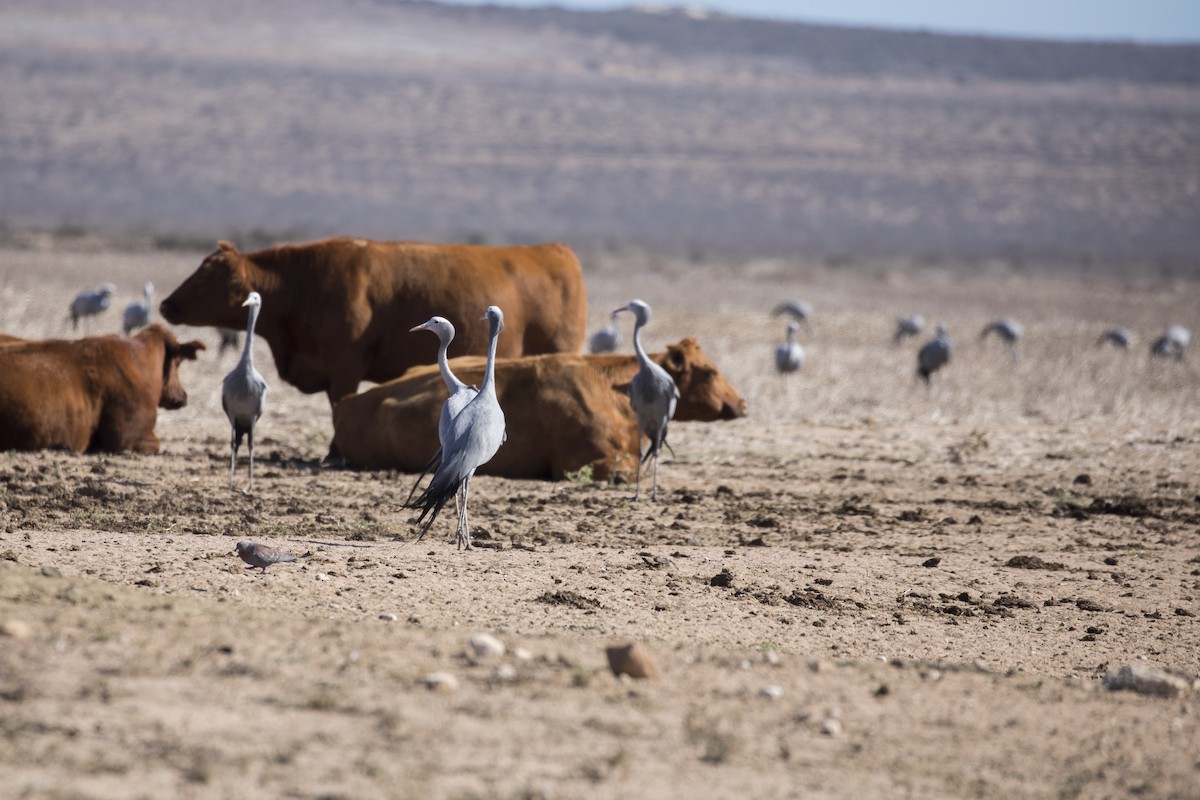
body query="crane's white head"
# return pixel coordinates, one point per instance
(639, 309)
(439, 325)
(495, 318)
(254, 300)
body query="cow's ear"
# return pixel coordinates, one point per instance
(189, 350)
(226, 247)
(676, 359)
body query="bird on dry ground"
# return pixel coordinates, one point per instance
(1118, 337)
(789, 356)
(1172, 343)
(90, 303)
(799, 310)
(653, 395)
(261, 555)
(473, 437)
(1007, 329)
(243, 394)
(606, 339)
(460, 393)
(137, 315)
(908, 326)
(934, 354)
(229, 340)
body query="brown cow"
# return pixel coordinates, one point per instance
(338, 311)
(563, 412)
(99, 393)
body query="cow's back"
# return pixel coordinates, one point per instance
(45, 397)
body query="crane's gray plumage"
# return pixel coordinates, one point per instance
(908, 326)
(799, 310)
(242, 394)
(460, 393)
(934, 354)
(474, 436)
(606, 339)
(89, 304)
(789, 356)
(1118, 337)
(137, 315)
(653, 395)
(1008, 330)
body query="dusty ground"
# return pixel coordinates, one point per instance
(826, 586)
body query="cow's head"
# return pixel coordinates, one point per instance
(173, 395)
(704, 394)
(213, 294)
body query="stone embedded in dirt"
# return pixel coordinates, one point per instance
(1144, 679)
(831, 727)
(388, 617)
(440, 682)
(485, 645)
(1033, 562)
(503, 673)
(773, 692)
(631, 660)
(722, 578)
(1111, 561)
(1084, 604)
(1183, 612)
(16, 629)
(931, 562)
(1083, 479)
(568, 598)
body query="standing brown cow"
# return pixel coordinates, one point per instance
(99, 393)
(563, 412)
(338, 311)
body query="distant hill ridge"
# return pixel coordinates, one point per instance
(861, 51)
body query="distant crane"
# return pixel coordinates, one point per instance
(474, 436)
(1172, 343)
(1007, 329)
(653, 395)
(137, 315)
(1117, 337)
(789, 356)
(90, 303)
(243, 393)
(908, 326)
(799, 310)
(606, 339)
(933, 355)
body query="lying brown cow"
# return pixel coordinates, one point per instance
(563, 412)
(99, 393)
(338, 311)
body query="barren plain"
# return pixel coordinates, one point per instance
(863, 589)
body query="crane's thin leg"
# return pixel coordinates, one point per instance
(654, 492)
(250, 451)
(462, 538)
(233, 447)
(637, 491)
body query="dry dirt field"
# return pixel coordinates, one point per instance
(861, 590)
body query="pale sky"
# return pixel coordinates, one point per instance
(1166, 21)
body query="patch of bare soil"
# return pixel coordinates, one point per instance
(862, 590)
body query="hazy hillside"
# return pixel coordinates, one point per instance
(414, 120)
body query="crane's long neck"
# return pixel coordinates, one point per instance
(248, 345)
(791, 336)
(489, 371)
(642, 358)
(448, 377)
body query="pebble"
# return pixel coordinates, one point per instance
(521, 654)
(773, 692)
(441, 682)
(321, 576)
(388, 617)
(486, 646)
(16, 629)
(504, 672)
(631, 660)
(831, 727)
(1144, 679)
